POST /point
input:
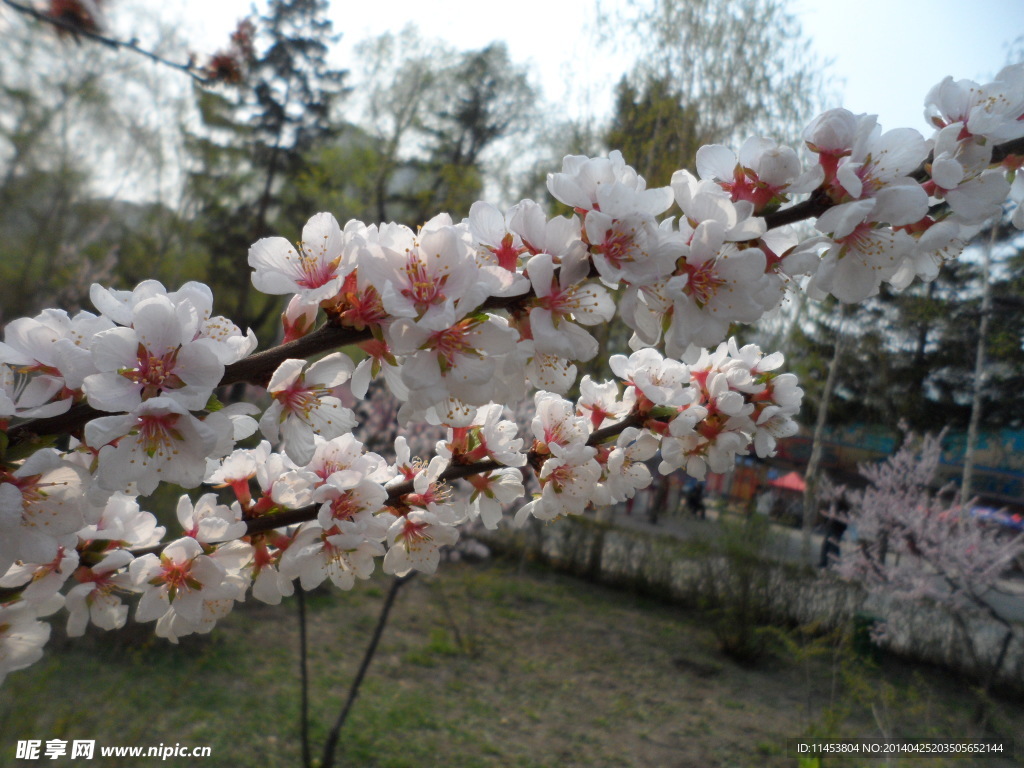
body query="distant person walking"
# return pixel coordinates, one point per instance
(835, 526)
(695, 501)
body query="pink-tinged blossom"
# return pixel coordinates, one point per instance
(655, 379)
(345, 454)
(379, 361)
(834, 133)
(764, 174)
(284, 483)
(562, 301)
(123, 523)
(97, 596)
(430, 491)
(559, 236)
(237, 469)
(940, 242)
(38, 582)
(978, 198)
(213, 602)
(415, 541)
(499, 436)
(298, 318)
(281, 482)
(347, 497)
(458, 361)
(343, 557)
(569, 483)
(493, 490)
(52, 343)
(698, 453)
(269, 585)
(740, 399)
(773, 424)
(43, 504)
(29, 396)
(181, 577)
(526, 367)
(157, 357)
(555, 421)
(119, 306)
(991, 111)
(193, 303)
(303, 405)
(208, 521)
(721, 399)
(231, 423)
(230, 344)
(500, 250)
(601, 404)
(314, 270)
(857, 259)
(706, 201)
(648, 309)
(42, 359)
(631, 249)
(606, 184)
(159, 441)
(961, 175)
(723, 286)
(22, 635)
(488, 437)
(431, 277)
(624, 469)
(879, 170)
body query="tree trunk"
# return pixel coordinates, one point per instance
(811, 474)
(979, 369)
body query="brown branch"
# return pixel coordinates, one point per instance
(78, 31)
(453, 472)
(255, 369)
(259, 367)
(1002, 151)
(811, 208)
(266, 523)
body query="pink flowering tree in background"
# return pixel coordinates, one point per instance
(457, 320)
(913, 541)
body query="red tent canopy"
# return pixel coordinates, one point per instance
(791, 482)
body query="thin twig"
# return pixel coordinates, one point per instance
(132, 45)
(331, 745)
(307, 759)
(447, 610)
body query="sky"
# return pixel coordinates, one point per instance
(885, 54)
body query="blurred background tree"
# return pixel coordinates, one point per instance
(79, 138)
(707, 72)
(910, 355)
(256, 137)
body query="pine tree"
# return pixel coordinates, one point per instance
(257, 138)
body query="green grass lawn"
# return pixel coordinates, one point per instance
(480, 666)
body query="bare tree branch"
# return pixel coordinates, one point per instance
(78, 31)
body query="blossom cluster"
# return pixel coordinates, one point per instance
(457, 320)
(915, 543)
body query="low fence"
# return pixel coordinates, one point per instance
(665, 566)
